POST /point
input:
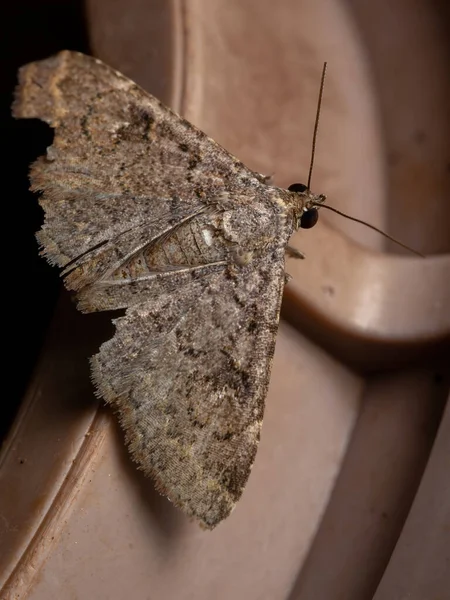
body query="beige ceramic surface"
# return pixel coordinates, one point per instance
(361, 371)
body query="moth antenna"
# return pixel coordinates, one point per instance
(311, 165)
(316, 125)
(386, 235)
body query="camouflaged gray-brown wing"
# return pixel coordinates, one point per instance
(189, 373)
(120, 160)
(147, 213)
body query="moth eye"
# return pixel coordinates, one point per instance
(297, 187)
(309, 218)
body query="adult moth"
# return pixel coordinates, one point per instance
(144, 212)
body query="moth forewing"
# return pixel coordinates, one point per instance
(147, 213)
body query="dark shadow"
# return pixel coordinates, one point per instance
(163, 518)
(30, 30)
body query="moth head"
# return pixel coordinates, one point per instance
(309, 210)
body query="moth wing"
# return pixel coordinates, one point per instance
(125, 175)
(192, 403)
(120, 159)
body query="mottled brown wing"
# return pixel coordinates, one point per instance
(147, 213)
(188, 373)
(122, 169)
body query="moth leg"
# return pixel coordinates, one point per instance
(293, 252)
(267, 179)
(287, 278)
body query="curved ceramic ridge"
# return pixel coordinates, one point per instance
(371, 295)
(418, 567)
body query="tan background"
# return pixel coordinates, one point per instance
(349, 497)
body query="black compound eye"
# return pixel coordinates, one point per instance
(309, 218)
(297, 187)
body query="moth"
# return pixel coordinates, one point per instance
(144, 212)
